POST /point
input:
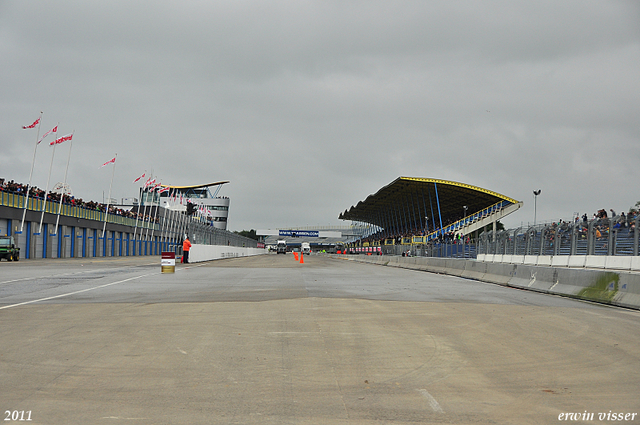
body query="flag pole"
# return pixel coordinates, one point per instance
(64, 186)
(153, 191)
(146, 187)
(155, 216)
(137, 215)
(106, 212)
(174, 221)
(163, 237)
(46, 190)
(33, 161)
(146, 234)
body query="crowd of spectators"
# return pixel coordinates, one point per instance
(54, 197)
(603, 222)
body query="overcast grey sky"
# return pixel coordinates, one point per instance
(307, 107)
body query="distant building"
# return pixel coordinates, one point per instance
(212, 209)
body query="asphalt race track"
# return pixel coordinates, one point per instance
(267, 340)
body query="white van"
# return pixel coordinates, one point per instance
(305, 247)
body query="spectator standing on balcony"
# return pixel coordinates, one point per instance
(186, 246)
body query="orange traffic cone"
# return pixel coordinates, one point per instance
(301, 258)
(295, 255)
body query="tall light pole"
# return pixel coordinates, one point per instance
(535, 204)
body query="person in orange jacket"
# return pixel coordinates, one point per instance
(186, 246)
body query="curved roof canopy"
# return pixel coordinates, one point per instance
(410, 200)
(198, 186)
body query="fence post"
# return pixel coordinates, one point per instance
(610, 249)
(636, 233)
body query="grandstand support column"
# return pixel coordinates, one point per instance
(405, 217)
(494, 230)
(433, 216)
(396, 225)
(435, 186)
(415, 224)
(425, 215)
(388, 223)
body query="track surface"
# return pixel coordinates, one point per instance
(268, 340)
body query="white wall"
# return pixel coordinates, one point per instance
(200, 253)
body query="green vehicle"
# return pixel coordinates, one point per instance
(8, 249)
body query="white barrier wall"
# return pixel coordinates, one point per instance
(199, 253)
(616, 285)
(619, 262)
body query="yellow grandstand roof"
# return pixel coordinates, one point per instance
(411, 199)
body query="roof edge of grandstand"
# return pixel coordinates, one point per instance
(450, 182)
(198, 186)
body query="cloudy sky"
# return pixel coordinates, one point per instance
(307, 107)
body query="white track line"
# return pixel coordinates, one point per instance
(432, 401)
(77, 292)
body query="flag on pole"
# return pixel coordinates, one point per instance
(53, 130)
(111, 161)
(142, 176)
(61, 139)
(149, 183)
(24, 127)
(164, 189)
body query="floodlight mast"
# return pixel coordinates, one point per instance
(535, 204)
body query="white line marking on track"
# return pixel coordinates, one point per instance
(77, 292)
(432, 401)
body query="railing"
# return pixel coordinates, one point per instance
(170, 226)
(618, 236)
(607, 236)
(15, 200)
(470, 219)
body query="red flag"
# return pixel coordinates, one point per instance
(149, 183)
(139, 177)
(24, 127)
(164, 189)
(53, 130)
(61, 139)
(111, 161)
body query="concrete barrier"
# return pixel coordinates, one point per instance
(560, 261)
(635, 263)
(498, 273)
(456, 266)
(595, 261)
(544, 260)
(618, 263)
(576, 260)
(474, 270)
(616, 287)
(199, 253)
